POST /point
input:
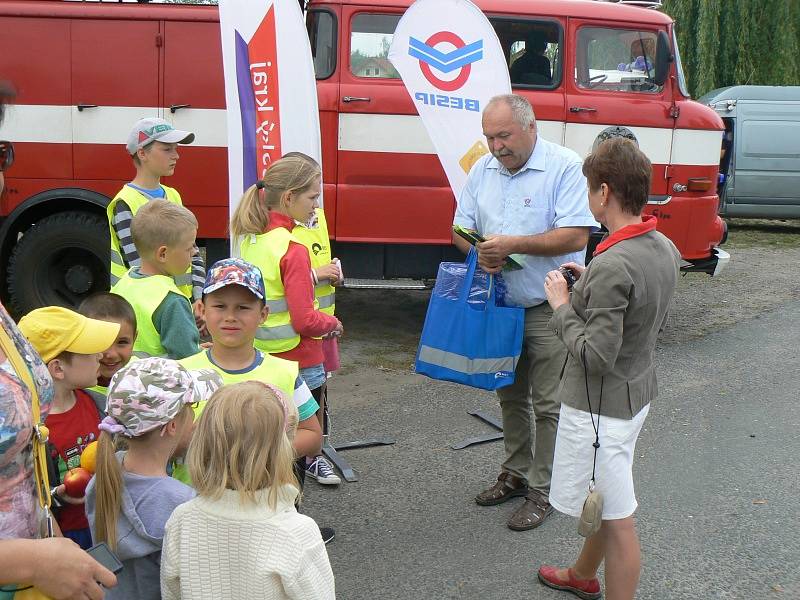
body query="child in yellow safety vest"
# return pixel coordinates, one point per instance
(153, 146)
(264, 223)
(234, 306)
(326, 272)
(164, 234)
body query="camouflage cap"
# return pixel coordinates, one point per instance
(149, 393)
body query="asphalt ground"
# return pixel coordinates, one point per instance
(716, 475)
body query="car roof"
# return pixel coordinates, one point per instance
(752, 92)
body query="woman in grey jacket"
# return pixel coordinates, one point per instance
(609, 325)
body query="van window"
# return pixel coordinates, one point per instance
(370, 39)
(533, 51)
(616, 60)
(321, 26)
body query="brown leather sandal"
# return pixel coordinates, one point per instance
(531, 514)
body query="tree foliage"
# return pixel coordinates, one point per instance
(733, 42)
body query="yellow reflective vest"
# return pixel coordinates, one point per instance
(145, 295)
(135, 200)
(319, 249)
(276, 371)
(265, 251)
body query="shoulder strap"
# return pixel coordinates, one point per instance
(40, 432)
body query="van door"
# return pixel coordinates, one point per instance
(610, 83)
(114, 84)
(767, 157)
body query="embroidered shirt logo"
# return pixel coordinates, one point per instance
(526, 202)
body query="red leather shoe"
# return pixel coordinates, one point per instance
(588, 589)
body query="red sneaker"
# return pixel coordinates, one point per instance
(588, 589)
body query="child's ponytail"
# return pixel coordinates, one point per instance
(251, 215)
(290, 174)
(108, 491)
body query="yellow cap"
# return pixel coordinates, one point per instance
(54, 329)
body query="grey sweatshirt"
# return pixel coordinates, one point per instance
(147, 503)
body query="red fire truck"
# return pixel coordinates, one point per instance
(86, 72)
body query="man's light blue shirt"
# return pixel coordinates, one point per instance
(548, 192)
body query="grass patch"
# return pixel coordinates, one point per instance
(763, 233)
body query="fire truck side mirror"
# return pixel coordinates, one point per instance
(664, 57)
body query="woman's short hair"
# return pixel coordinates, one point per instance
(624, 168)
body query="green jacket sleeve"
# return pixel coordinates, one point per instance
(174, 321)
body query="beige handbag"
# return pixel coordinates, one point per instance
(592, 514)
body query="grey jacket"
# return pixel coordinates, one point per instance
(147, 503)
(617, 309)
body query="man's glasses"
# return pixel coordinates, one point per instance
(6, 155)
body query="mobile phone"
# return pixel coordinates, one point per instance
(103, 554)
(472, 236)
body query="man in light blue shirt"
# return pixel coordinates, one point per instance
(527, 197)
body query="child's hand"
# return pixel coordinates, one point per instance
(329, 271)
(62, 495)
(197, 309)
(339, 329)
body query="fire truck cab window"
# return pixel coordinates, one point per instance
(322, 34)
(616, 60)
(370, 39)
(532, 50)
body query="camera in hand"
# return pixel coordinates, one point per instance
(569, 276)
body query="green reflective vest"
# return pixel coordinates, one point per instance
(265, 251)
(135, 200)
(319, 249)
(146, 295)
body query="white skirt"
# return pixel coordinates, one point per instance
(572, 462)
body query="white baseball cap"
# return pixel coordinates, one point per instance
(151, 130)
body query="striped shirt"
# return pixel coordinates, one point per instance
(122, 226)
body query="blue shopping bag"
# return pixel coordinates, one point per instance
(473, 344)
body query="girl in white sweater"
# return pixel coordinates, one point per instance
(242, 536)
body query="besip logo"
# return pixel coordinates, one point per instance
(461, 58)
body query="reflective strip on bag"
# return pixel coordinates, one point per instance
(462, 364)
(281, 332)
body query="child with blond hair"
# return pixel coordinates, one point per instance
(164, 234)
(130, 498)
(242, 537)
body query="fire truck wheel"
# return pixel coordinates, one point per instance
(60, 260)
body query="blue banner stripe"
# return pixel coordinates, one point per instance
(437, 56)
(446, 68)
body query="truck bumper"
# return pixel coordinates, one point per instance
(713, 265)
